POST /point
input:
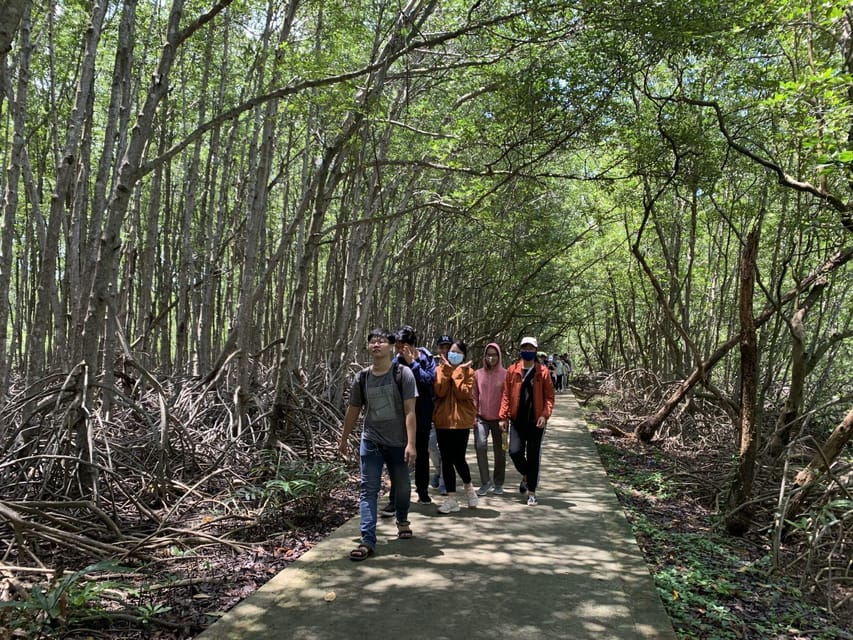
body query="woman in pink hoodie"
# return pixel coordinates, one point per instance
(488, 387)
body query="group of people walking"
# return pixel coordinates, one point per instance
(560, 367)
(408, 394)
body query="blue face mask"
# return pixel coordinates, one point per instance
(455, 358)
(528, 355)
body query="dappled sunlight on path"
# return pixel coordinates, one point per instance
(567, 568)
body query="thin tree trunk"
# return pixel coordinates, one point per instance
(116, 118)
(669, 298)
(103, 278)
(806, 479)
(210, 226)
(65, 173)
(147, 308)
(13, 173)
(328, 176)
(687, 287)
(670, 314)
(247, 337)
(188, 267)
(784, 425)
(12, 12)
(739, 516)
(647, 428)
(617, 319)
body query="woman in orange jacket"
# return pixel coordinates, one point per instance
(526, 405)
(454, 416)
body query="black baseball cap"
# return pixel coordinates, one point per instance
(444, 339)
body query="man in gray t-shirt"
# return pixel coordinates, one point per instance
(388, 393)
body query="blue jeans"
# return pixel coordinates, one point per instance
(434, 453)
(373, 457)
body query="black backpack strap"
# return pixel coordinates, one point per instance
(398, 377)
(361, 376)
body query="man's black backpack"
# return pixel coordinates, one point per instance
(361, 378)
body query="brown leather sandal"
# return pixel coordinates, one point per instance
(361, 552)
(404, 531)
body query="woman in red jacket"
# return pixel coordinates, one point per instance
(526, 405)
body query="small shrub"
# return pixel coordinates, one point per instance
(298, 491)
(52, 609)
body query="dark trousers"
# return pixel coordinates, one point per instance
(525, 449)
(453, 443)
(422, 460)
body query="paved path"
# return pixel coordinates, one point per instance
(567, 568)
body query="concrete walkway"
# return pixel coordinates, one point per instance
(567, 568)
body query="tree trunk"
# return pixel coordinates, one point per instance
(799, 368)
(115, 123)
(806, 479)
(13, 173)
(149, 220)
(739, 516)
(329, 173)
(646, 429)
(65, 173)
(11, 13)
(104, 273)
(247, 336)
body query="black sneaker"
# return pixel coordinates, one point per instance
(522, 488)
(388, 511)
(423, 498)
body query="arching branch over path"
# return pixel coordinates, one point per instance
(647, 428)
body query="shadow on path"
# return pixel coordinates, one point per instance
(567, 568)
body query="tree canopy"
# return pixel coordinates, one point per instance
(222, 198)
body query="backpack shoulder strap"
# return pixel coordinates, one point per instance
(398, 377)
(361, 376)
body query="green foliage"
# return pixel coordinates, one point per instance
(60, 604)
(640, 481)
(296, 489)
(149, 611)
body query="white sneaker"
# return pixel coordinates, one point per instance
(473, 501)
(449, 506)
(532, 501)
(483, 490)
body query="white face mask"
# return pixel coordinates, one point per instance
(454, 357)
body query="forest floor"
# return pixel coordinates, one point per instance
(713, 586)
